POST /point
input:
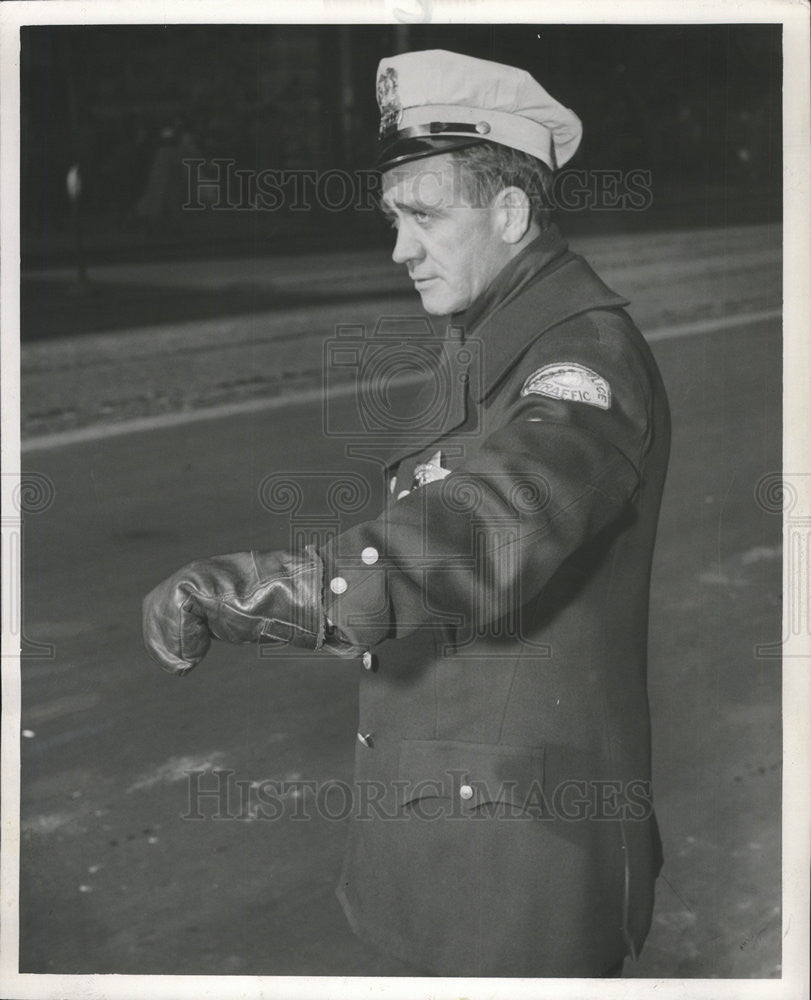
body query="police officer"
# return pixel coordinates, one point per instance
(499, 604)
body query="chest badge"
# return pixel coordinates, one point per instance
(571, 382)
(430, 471)
(425, 472)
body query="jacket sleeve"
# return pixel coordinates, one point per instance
(551, 473)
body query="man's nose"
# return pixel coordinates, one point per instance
(406, 247)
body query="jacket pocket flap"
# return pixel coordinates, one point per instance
(471, 773)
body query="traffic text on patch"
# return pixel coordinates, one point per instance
(569, 381)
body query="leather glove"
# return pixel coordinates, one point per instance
(240, 598)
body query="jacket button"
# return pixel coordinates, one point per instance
(466, 792)
(403, 493)
(338, 585)
(367, 660)
(365, 740)
(369, 556)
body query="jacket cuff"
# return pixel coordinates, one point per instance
(356, 598)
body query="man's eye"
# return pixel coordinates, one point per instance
(421, 217)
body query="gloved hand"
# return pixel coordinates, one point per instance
(242, 597)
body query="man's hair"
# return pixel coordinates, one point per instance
(489, 167)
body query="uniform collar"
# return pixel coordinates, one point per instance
(543, 286)
(512, 278)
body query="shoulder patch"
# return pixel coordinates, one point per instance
(569, 381)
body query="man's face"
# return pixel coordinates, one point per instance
(452, 249)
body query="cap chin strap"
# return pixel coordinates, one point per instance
(438, 128)
(406, 148)
(553, 144)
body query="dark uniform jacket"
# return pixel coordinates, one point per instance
(503, 818)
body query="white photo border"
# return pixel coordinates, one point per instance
(794, 16)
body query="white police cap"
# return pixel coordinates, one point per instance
(435, 100)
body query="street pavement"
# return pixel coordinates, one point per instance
(170, 337)
(117, 874)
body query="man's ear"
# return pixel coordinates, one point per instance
(514, 214)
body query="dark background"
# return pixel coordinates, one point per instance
(699, 106)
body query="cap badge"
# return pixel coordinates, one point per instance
(388, 100)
